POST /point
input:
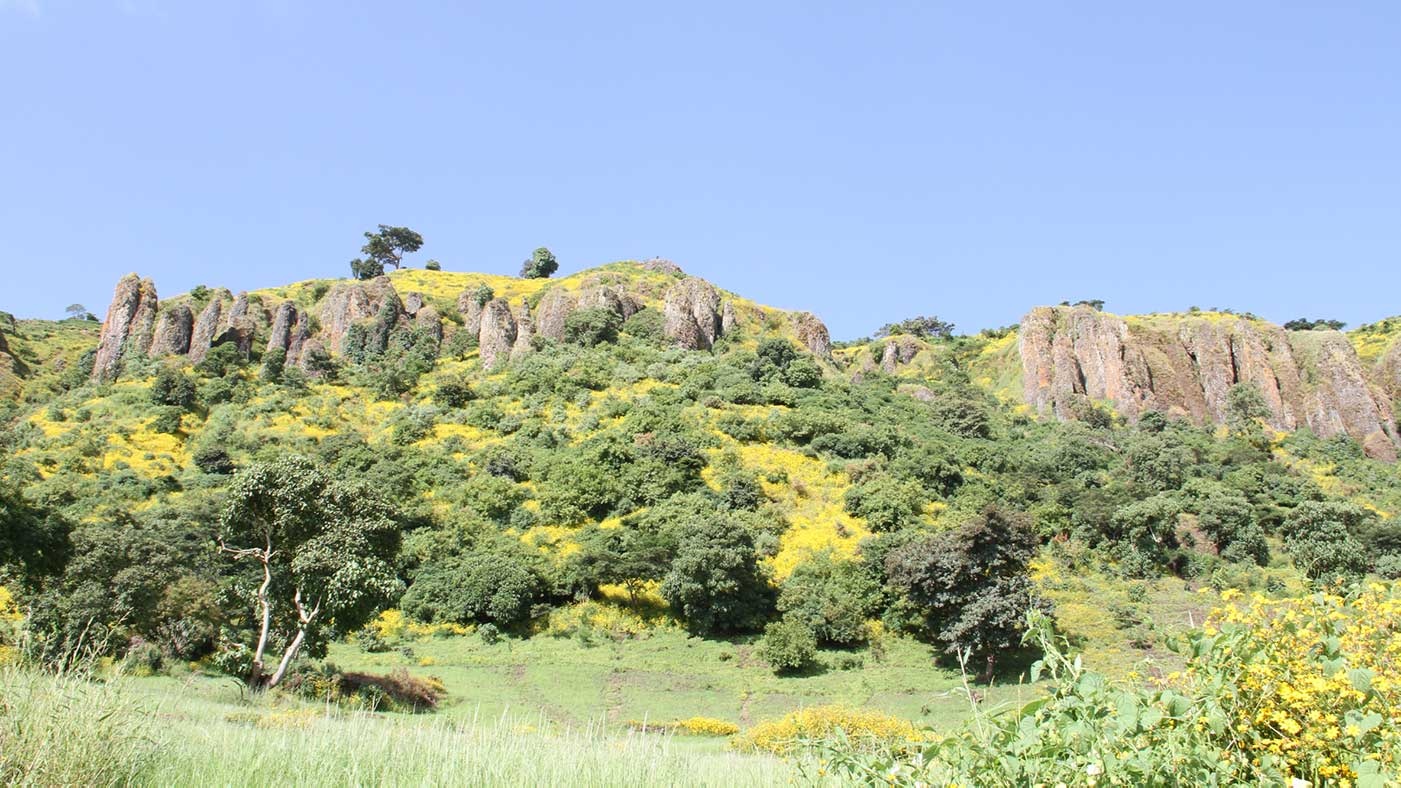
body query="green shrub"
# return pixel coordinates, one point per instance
(788, 645)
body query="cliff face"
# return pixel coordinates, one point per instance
(694, 314)
(129, 326)
(1185, 365)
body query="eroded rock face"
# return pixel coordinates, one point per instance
(290, 331)
(240, 334)
(1388, 373)
(428, 320)
(811, 332)
(497, 334)
(173, 331)
(412, 303)
(661, 266)
(129, 325)
(525, 330)
(350, 302)
(1185, 366)
(554, 309)
(899, 349)
(208, 325)
(691, 314)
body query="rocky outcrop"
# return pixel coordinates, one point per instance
(240, 334)
(497, 334)
(208, 325)
(691, 314)
(1186, 365)
(810, 331)
(898, 350)
(428, 320)
(554, 309)
(128, 328)
(1388, 373)
(291, 329)
(525, 330)
(351, 302)
(174, 329)
(662, 266)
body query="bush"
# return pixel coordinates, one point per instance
(590, 327)
(1252, 707)
(833, 597)
(483, 587)
(173, 388)
(788, 645)
(861, 731)
(489, 634)
(886, 503)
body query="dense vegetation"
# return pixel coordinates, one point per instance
(247, 514)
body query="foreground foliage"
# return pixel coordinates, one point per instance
(1274, 691)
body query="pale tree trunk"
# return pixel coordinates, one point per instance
(304, 619)
(264, 556)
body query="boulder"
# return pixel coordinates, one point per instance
(427, 319)
(173, 331)
(128, 328)
(412, 303)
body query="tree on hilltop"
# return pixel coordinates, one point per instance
(383, 248)
(541, 265)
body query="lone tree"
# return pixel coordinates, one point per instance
(541, 265)
(924, 327)
(971, 584)
(324, 549)
(386, 247)
(75, 311)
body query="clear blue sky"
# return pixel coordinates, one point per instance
(867, 161)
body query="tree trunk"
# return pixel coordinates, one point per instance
(287, 657)
(255, 679)
(988, 670)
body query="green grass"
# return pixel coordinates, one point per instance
(666, 676)
(67, 730)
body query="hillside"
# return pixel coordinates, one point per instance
(632, 456)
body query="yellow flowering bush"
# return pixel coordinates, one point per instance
(1312, 684)
(692, 726)
(863, 729)
(1300, 691)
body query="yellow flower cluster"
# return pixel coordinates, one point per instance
(612, 619)
(693, 726)
(1311, 682)
(864, 729)
(393, 624)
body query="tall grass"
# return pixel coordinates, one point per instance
(342, 748)
(66, 729)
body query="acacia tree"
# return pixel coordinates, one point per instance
(386, 247)
(324, 549)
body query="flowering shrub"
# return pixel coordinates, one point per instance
(1303, 691)
(1311, 686)
(862, 730)
(692, 726)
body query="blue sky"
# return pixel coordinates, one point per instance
(865, 161)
